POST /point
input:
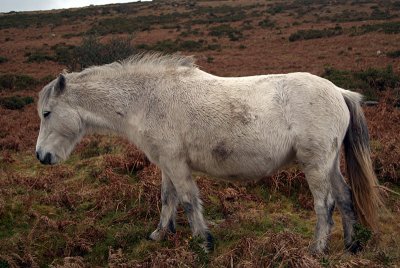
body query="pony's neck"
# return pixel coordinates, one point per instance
(101, 113)
(98, 123)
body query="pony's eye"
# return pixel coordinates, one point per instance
(46, 114)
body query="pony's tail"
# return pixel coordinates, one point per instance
(362, 179)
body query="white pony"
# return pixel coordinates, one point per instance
(237, 128)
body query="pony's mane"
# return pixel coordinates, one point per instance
(158, 59)
(139, 63)
(142, 62)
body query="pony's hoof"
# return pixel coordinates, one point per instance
(354, 247)
(208, 244)
(157, 235)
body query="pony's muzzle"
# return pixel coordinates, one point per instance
(46, 160)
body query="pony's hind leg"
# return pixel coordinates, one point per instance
(343, 197)
(169, 202)
(324, 204)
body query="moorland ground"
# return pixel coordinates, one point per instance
(97, 208)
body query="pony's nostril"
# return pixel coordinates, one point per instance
(47, 159)
(37, 155)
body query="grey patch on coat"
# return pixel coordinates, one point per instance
(221, 152)
(240, 112)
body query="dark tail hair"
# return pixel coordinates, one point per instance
(362, 178)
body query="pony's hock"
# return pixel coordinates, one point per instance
(237, 128)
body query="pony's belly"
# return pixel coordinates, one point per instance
(237, 169)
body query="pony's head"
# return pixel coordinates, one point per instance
(61, 126)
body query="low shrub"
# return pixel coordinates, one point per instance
(379, 79)
(392, 27)
(214, 47)
(190, 32)
(166, 46)
(38, 56)
(3, 59)
(170, 46)
(92, 52)
(226, 30)
(378, 14)
(275, 9)
(191, 45)
(315, 33)
(368, 82)
(130, 25)
(18, 82)
(266, 23)
(222, 13)
(15, 102)
(393, 54)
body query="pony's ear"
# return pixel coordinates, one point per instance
(60, 84)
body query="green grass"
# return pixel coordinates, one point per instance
(13, 219)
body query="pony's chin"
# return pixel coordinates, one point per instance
(57, 159)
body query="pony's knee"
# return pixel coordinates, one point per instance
(188, 207)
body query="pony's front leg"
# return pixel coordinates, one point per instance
(188, 195)
(169, 202)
